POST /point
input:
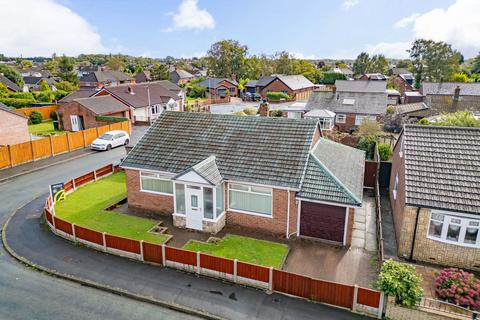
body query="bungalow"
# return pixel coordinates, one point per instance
(435, 196)
(82, 93)
(179, 76)
(451, 96)
(148, 100)
(100, 79)
(296, 86)
(251, 86)
(219, 87)
(351, 101)
(33, 83)
(82, 113)
(272, 175)
(11, 86)
(13, 126)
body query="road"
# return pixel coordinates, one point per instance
(28, 294)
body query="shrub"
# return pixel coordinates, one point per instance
(277, 96)
(390, 110)
(17, 103)
(424, 121)
(240, 113)
(400, 280)
(21, 95)
(276, 113)
(59, 94)
(331, 77)
(458, 287)
(367, 144)
(44, 96)
(195, 91)
(65, 86)
(36, 117)
(250, 111)
(385, 151)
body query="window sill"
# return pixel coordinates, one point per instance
(465, 245)
(159, 193)
(251, 213)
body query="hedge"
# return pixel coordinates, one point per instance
(277, 96)
(110, 119)
(17, 103)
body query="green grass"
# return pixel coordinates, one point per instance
(85, 207)
(42, 129)
(261, 252)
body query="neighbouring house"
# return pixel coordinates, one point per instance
(412, 97)
(435, 196)
(351, 101)
(33, 83)
(82, 113)
(82, 93)
(373, 77)
(404, 82)
(180, 76)
(273, 175)
(148, 100)
(13, 126)
(414, 111)
(219, 87)
(393, 97)
(107, 78)
(143, 76)
(251, 86)
(296, 86)
(348, 73)
(295, 110)
(451, 96)
(11, 86)
(393, 71)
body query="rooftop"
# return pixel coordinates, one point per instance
(102, 105)
(360, 86)
(448, 88)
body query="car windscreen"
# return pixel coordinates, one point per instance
(106, 136)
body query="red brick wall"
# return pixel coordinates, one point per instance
(349, 122)
(144, 200)
(398, 204)
(13, 128)
(351, 218)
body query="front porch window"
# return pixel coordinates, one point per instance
(180, 198)
(220, 194)
(326, 123)
(251, 199)
(207, 203)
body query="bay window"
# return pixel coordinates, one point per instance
(156, 183)
(250, 199)
(454, 229)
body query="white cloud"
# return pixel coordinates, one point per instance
(300, 55)
(42, 27)
(397, 50)
(190, 16)
(348, 4)
(197, 54)
(404, 22)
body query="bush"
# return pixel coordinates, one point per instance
(21, 95)
(390, 110)
(250, 111)
(424, 121)
(195, 91)
(276, 113)
(65, 86)
(240, 113)
(17, 103)
(367, 144)
(458, 287)
(36, 117)
(59, 94)
(44, 96)
(385, 151)
(331, 77)
(402, 281)
(277, 96)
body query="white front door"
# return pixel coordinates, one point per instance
(75, 121)
(194, 207)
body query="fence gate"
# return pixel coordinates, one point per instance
(384, 174)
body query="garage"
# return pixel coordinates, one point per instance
(322, 221)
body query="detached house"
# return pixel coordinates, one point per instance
(373, 77)
(451, 96)
(179, 76)
(296, 86)
(273, 175)
(435, 195)
(219, 87)
(108, 78)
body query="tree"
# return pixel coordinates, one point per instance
(26, 64)
(66, 70)
(226, 58)
(405, 63)
(43, 86)
(159, 72)
(458, 119)
(385, 151)
(65, 86)
(36, 117)
(331, 77)
(378, 64)
(11, 74)
(361, 64)
(283, 63)
(460, 77)
(51, 65)
(116, 63)
(476, 64)
(3, 91)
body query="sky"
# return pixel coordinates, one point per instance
(312, 29)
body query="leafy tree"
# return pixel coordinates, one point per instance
(369, 129)
(460, 77)
(51, 65)
(476, 64)
(241, 83)
(331, 77)
(367, 144)
(22, 95)
(226, 58)
(36, 117)
(424, 122)
(65, 86)
(66, 69)
(43, 86)
(458, 119)
(26, 64)
(385, 151)
(159, 72)
(283, 63)
(3, 91)
(361, 64)
(378, 64)
(11, 74)
(405, 63)
(116, 63)
(44, 96)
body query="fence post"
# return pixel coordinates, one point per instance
(381, 305)
(10, 155)
(33, 149)
(164, 258)
(104, 241)
(97, 132)
(68, 142)
(270, 279)
(53, 220)
(51, 145)
(141, 250)
(73, 184)
(94, 175)
(84, 139)
(355, 296)
(235, 270)
(73, 233)
(198, 262)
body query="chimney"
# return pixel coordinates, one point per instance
(456, 94)
(130, 90)
(263, 110)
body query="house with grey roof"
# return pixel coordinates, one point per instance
(444, 97)
(11, 86)
(352, 101)
(296, 86)
(106, 78)
(82, 113)
(219, 87)
(273, 175)
(180, 76)
(373, 77)
(435, 195)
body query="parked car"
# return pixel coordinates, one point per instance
(111, 139)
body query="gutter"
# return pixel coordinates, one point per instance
(414, 235)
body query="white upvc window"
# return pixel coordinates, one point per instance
(453, 229)
(341, 118)
(156, 109)
(326, 123)
(155, 183)
(395, 187)
(250, 199)
(359, 119)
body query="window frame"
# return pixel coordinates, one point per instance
(249, 187)
(155, 176)
(344, 116)
(395, 187)
(464, 225)
(363, 117)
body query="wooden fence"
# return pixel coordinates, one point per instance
(44, 110)
(357, 299)
(16, 154)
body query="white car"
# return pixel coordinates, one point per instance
(111, 139)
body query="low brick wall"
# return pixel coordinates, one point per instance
(397, 312)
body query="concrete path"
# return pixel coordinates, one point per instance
(388, 229)
(364, 235)
(30, 239)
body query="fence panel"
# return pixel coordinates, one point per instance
(116, 126)
(103, 129)
(84, 179)
(216, 263)
(251, 271)
(370, 176)
(63, 225)
(125, 126)
(181, 256)
(104, 170)
(76, 140)
(89, 235)
(42, 148)
(368, 297)
(67, 186)
(152, 252)
(60, 143)
(332, 293)
(90, 135)
(291, 283)
(48, 216)
(124, 244)
(4, 157)
(45, 111)
(21, 153)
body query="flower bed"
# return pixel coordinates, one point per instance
(458, 287)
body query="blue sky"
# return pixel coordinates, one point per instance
(308, 28)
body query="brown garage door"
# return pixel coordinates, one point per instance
(322, 221)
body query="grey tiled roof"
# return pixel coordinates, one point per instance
(208, 170)
(448, 88)
(10, 110)
(103, 105)
(371, 103)
(105, 76)
(410, 107)
(294, 82)
(9, 84)
(264, 150)
(334, 174)
(215, 82)
(82, 93)
(360, 86)
(442, 167)
(251, 83)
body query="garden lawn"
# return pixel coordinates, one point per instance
(261, 252)
(85, 207)
(41, 129)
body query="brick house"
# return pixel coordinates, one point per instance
(219, 87)
(82, 93)
(435, 197)
(272, 175)
(180, 76)
(82, 113)
(351, 101)
(13, 126)
(107, 78)
(404, 82)
(296, 86)
(451, 96)
(143, 76)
